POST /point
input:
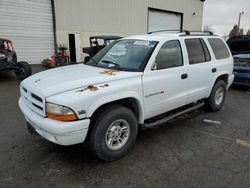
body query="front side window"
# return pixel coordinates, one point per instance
(127, 54)
(197, 51)
(169, 56)
(219, 48)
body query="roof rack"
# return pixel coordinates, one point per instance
(202, 32)
(184, 31)
(179, 31)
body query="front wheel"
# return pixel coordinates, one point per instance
(217, 97)
(114, 132)
(87, 59)
(24, 70)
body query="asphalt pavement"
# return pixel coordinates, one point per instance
(186, 152)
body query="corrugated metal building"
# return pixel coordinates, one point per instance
(29, 24)
(35, 26)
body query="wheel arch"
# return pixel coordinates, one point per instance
(223, 76)
(130, 102)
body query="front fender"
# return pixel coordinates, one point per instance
(115, 97)
(86, 100)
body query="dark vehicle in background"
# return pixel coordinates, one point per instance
(240, 48)
(8, 60)
(97, 43)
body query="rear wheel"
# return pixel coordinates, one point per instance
(24, 70)
(217, 97)
(114, 133)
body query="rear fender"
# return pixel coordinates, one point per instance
(216, 78)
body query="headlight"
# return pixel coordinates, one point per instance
(59, 112)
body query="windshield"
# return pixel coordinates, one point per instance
(127, 54)
(239, 45)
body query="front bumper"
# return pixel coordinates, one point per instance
(242, 76)
(58, 132)
(242, 79)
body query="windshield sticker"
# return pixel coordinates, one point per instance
(141, 42)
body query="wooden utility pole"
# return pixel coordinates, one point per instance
(238, 30)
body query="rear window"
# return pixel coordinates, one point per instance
(219, 48)
(197, 51)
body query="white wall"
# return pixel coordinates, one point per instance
(117, 17)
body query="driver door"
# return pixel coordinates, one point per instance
(166, 86)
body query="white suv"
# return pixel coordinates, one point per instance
(135, 81)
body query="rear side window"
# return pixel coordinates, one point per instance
(219, 48)
(197, 51)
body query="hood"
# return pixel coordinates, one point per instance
(239, 44)
(242, 56)
(58, 80)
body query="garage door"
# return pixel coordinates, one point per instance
(162, 20)
(29, 24)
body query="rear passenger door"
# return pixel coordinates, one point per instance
(199, 70)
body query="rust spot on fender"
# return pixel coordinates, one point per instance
(109, 72)
(90, 88)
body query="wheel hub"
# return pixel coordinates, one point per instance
(219, 95)
(117, 134)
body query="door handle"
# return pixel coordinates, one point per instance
(184, 76)
(214, 70)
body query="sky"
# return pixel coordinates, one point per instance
(222, 15)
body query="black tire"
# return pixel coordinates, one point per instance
(25, 70)
(87, 59)
(214, 104)
(105, 119)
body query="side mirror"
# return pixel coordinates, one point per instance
(154, 66)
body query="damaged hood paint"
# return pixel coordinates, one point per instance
(59, 80)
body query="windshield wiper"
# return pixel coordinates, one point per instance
(91, 62)
(113, 63)
(130, 69)
(92, 59)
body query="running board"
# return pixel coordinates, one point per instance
(167, 118)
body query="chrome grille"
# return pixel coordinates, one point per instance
(33, 101)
